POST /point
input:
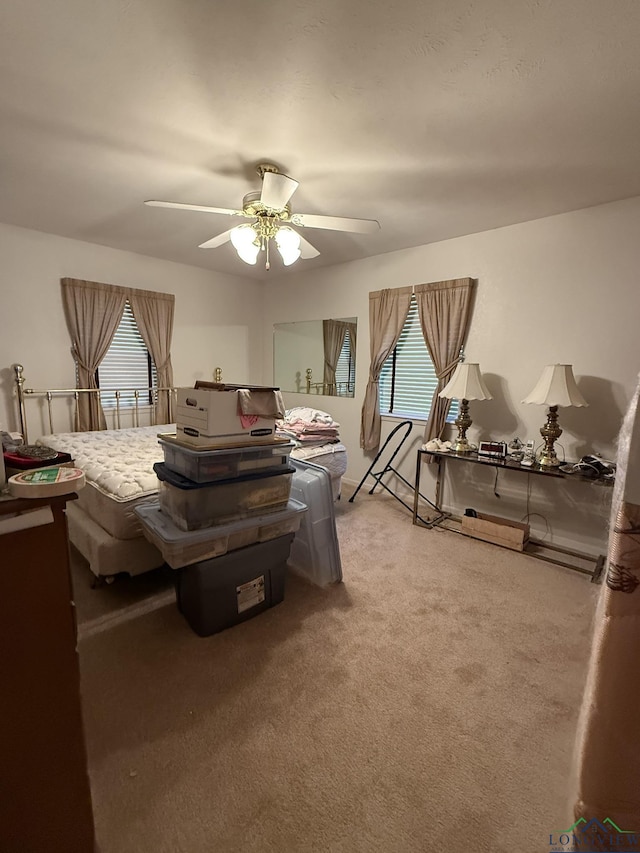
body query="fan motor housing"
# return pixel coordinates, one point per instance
(252, 206)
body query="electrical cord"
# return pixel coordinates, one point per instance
(528, 515)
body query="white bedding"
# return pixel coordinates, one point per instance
(116, 462)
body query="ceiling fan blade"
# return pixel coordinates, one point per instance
(277, 189)
(335, 223)
(214, 242)
(198, 207)
(307, 250)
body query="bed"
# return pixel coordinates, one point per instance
(119, 475)
(118, 467)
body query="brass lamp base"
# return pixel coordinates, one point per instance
(463, 422)
(548, 460)
(550, 433)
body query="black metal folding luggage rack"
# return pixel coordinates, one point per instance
(388, 468)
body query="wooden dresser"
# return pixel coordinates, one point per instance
(45, 798)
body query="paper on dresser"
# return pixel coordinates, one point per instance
(24, 520)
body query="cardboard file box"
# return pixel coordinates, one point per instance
(207, 416)
(499, 531)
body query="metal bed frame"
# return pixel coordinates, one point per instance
(140, 395)
(106, 555)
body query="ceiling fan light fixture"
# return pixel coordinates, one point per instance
(288, 243)
(245, 241)
(270, 210)
(289, 257)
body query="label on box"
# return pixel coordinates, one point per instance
(251, 593)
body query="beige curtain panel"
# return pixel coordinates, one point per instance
(444, 308)
(92, 311)
(333, 332)
(608, 744)
(153, 314)
(388, 311)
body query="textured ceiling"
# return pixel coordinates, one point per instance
(437, 118)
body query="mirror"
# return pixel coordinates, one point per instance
(316, 356)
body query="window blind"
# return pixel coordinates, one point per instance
(345, 369)
(408, 379)
(127, 364)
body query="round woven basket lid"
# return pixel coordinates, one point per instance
(36, 451)
(46, 482)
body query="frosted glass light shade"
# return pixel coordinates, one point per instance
(286, 238)
(466, 384)
(288, 243)
(556, 387)
(244, 239)
(243, 235)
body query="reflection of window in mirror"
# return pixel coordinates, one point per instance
(345, 375)
(316, 356)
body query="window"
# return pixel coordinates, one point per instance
(408, 378)
(127, 364)
(346, 369)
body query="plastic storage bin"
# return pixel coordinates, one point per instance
(315, 553)
(206, 466)
(216, 594)
(195, 505)
(181, 548)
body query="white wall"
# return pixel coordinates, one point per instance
(217, 323)
(557, 289)
(560, 289)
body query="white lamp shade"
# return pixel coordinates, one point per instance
(556, 387)
(466, 384)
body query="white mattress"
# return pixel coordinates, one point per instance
(118, 469)
(116, 517)
(333, 457)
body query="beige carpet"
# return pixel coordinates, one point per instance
(99, 608)
(427, 703)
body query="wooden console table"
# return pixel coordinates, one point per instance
(584, 563)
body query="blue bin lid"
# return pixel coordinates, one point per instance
(180, 482)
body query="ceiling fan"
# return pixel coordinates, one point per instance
(272, 219)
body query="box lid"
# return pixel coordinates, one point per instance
(168, 532)
(180, 482)
(202, 450)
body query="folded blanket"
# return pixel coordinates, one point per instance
(309, 415)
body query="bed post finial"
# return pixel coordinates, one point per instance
(22, 415)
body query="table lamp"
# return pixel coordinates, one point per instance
(556, 387)
(465, 384)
